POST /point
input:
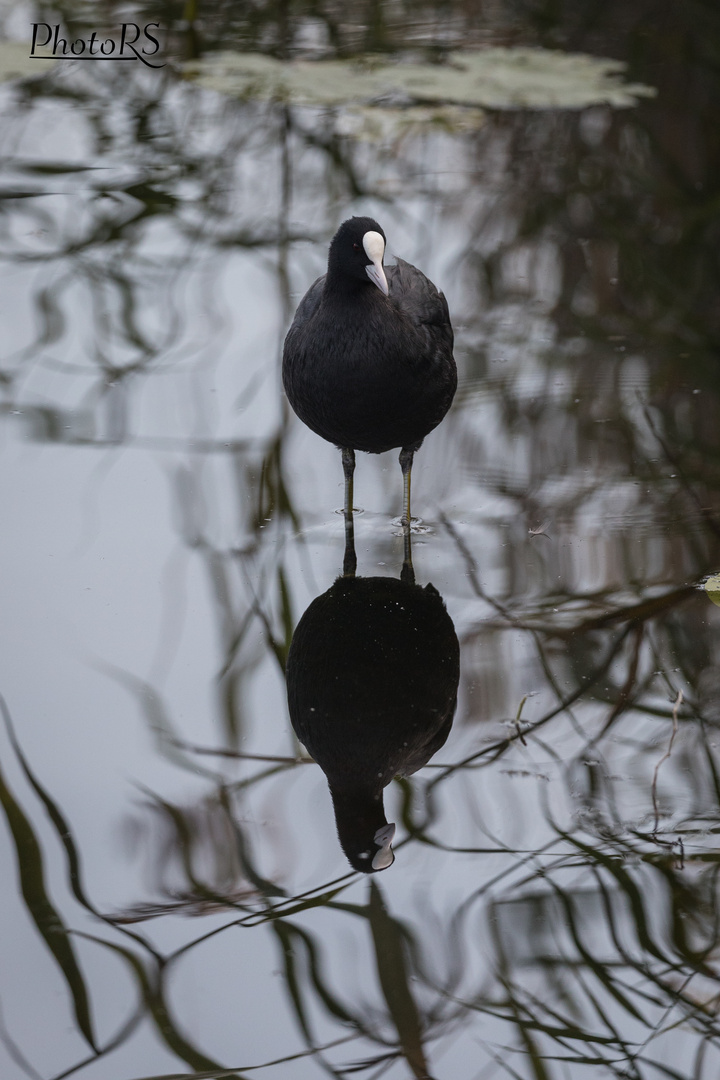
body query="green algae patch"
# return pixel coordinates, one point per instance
(16, 62)
(494, 78)
(712, 588)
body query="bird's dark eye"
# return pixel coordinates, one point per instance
(356, 247)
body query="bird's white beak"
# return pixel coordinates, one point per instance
(375, 249)
(385, 857)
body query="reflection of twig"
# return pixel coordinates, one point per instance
(241, 754)
(495, 749)
(674, 460)
(666, 755)
(14, 1051)
(642, 611)
(625, 696)
(473, 571)
(219, 1074)
(517, 721)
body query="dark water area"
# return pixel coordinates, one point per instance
(175, 901)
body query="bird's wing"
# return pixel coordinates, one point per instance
(309, 303)
(418, 298)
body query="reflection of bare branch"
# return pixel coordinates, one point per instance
(14, 1052)
(640, 612)
(666, 755)
(494, 750)
(473, 571)
(517, 721)
(624, 698)
(242, 755)
(227, 1074)
(675, 460)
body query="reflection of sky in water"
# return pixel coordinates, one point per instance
(168, 521)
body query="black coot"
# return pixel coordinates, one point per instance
(372, 678)
(368, 361)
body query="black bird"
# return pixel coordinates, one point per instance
(372, 678)
(368, 361)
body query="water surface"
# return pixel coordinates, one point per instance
(175, 900)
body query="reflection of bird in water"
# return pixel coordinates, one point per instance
(372, 678)
(368, 360)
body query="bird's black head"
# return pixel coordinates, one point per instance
(356, 255)
(364, 833)
(374, 854)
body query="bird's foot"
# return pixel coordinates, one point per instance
(415, 525)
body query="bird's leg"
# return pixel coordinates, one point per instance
(350, 558)
(348, 460)
(406, 460)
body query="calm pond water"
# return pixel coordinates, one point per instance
(175, 901)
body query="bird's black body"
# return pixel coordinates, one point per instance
(365, 370)
(372, 677)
